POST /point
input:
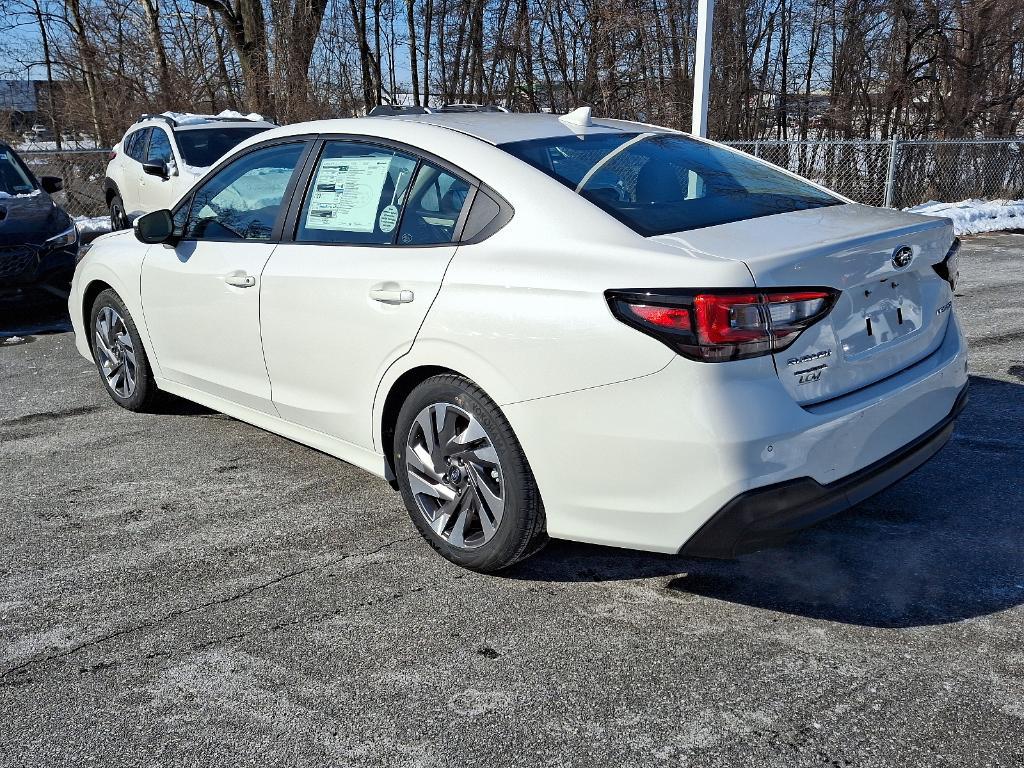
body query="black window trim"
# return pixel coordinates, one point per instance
(417, 154)
(309, 140)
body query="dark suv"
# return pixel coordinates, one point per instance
(38, 240)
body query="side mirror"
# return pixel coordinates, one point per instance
(155, 227)
(51, 184)
(156, 168)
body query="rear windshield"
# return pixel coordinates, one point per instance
(660, 183)
(203, 147)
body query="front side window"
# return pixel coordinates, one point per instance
(159, 147)
(14, 177)
(242, 201)
(661, 183)
(356, 195)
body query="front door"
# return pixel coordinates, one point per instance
(343, 301)
(201, 297)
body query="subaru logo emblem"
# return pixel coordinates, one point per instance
(902, 257)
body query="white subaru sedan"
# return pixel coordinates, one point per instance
(537, 327)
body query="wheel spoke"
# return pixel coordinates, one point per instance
(457, 537)
(438, 490)
(418, 458)
(491, 504)
(445, 512)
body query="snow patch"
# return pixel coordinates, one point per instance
(970, 217)
(191, 118)
(90, 224)
(33, 193)
(254, 116)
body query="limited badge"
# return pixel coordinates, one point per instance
(388, 218)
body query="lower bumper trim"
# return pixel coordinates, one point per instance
(768, 516)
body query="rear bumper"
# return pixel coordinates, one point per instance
(648, 463)
(769, 516)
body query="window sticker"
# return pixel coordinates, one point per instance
(346, 193)
(388, 218)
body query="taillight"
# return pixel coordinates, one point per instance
(949, 267)
(720, 325)
(112, 155)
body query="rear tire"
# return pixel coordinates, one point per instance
(118, 353)
(118, 217)
(464, 477)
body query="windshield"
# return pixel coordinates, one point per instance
(202, 147)
(14, 179)
(661, 183)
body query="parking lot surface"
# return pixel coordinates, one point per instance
(184, 589)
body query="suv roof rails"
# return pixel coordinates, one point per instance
(389, 110)
(169, 120)
(465, 107)
(209, 119)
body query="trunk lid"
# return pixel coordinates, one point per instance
(888, 316)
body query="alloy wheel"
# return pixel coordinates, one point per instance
(455, 475)
(115, 352)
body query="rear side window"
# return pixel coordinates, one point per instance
(661, 183)
(434, 206)
(135, 144)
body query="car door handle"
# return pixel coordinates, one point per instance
(240, 281)
(392, 297)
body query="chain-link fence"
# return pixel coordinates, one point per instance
(82, 170)
(898, 174)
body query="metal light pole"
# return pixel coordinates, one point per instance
(702, 67)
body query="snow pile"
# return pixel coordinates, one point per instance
(33, 193)
(972, 216)
(254, 116)
(90, 224)
(190, 118)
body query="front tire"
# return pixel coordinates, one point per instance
(119, 355)
(464, 477)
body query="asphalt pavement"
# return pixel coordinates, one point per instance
(184, 589)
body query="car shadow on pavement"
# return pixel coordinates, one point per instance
(943, 545)
(22, 319)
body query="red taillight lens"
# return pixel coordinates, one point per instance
(715, 326)
(112, 155)
(670, 318)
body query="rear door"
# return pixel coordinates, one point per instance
(131, 184)
(373, 235)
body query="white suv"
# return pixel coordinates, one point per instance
(162, 156)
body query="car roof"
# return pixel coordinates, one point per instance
(502, 127)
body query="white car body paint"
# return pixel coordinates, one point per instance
(631, 444)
